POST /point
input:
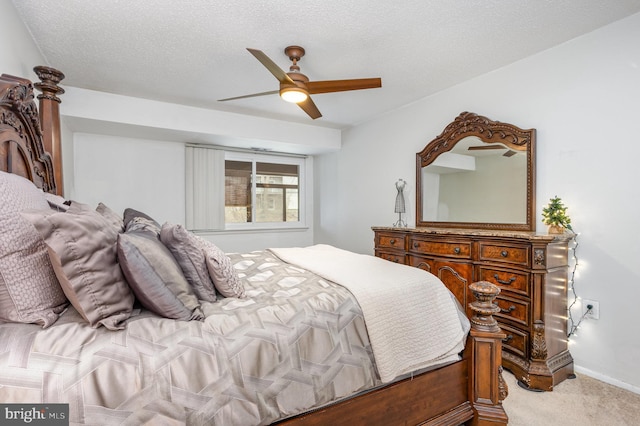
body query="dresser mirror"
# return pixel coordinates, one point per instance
(477, 173)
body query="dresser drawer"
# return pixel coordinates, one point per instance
(516, 341)
(390, 256)
(453, 249)
(513, 309)
(517, 255)
(455, 275)
(511, 281)
(390, 240)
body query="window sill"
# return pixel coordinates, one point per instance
(249, 230)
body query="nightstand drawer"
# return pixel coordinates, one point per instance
(516, 282)
(454, 249)
(513, 309)
(517, 255)
(390, 240)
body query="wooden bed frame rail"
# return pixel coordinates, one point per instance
(469, 391)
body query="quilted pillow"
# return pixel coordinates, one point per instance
(187, 249)
(83, 246)
(29, 290)
(221, 271)
(156, 278)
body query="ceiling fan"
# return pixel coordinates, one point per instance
(508, 153)
(295, 87)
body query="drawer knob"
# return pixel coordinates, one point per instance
(504, 282)
(456, 250)
(508, 338)
(504, 253)
(392, 241)
(416, 244)
(508, 311)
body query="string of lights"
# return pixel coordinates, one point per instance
(573, 325)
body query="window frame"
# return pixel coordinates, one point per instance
(254, 158)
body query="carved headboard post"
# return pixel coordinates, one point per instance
(50, 117)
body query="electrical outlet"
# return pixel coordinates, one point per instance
(595, 309)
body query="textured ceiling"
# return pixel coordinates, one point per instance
(193, 52)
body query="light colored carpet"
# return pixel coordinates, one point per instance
(580, 402)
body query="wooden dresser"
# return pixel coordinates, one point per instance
(529, 268)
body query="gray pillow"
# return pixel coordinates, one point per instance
(156, 278)
(83, 253)
(142, 224)
(112, 217)
(224, 276)
(29, 289)
(187, 249)
(130, 214)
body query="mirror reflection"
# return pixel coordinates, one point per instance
(476, 182)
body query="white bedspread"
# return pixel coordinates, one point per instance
(411, 317)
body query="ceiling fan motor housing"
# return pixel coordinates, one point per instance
(294, 73)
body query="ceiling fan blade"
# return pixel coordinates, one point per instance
(329, 86)
(271, 66)
(250, 96)
(509, 153)
(482, 147)
(310, 108)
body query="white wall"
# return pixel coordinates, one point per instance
(583, 97)
(146, 175)
(18, 52)
(149, 176)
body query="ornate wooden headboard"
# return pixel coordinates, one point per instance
(30, 142)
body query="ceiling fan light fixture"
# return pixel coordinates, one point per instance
(293, 94)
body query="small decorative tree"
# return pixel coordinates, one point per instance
(555, 215)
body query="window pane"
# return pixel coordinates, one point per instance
(237, 191)
(292, 205)
(269, 205)
(277, 169)
(276, 192)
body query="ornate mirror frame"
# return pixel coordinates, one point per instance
(488, 131)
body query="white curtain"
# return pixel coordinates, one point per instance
(205, 188)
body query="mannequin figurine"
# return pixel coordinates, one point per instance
(400, 206)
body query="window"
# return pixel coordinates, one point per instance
(259, 190)
(262, 192)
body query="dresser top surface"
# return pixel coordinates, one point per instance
(532, 236)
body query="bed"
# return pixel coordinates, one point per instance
(132, 321)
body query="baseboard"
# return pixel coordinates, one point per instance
(607, 379)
